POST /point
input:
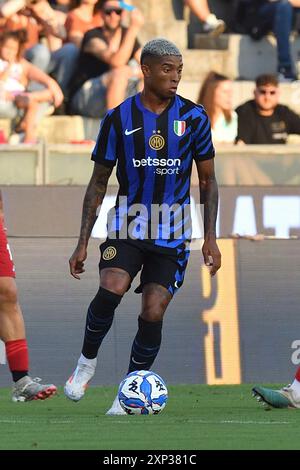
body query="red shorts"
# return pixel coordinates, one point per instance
(7, 268)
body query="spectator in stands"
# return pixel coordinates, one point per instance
(39, 19)
(262, 16)
(82, 17)
(15, 74)
(61, 5)
(108, 68)
(211, 24)
(216, 97)
(15, 16)
(51, 22)
(263, 120)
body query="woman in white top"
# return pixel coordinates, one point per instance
(216, 97)
(15, 75)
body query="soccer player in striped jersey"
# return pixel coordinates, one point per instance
(12, 329)
(153, 137)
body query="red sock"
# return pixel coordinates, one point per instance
(17, 355)
(297, 376)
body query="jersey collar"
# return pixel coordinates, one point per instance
(142, 108)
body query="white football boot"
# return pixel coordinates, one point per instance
(77, 384)
(116, 409)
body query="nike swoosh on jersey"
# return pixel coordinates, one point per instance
(127, 132)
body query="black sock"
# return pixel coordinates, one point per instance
(18, 374)
(146, 345)
(99, 319)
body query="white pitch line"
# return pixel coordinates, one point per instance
(202, 421)
(253, 422)
(15, 421)
(20, 421)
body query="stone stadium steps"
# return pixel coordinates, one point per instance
(242, 57)
(174, 30)
(197, 63)
(68, 129)
(163, 19)
(60, 129)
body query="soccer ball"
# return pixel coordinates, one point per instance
(143, 393)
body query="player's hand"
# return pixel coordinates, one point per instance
(76, 262)
(211, 255)
(137, 18)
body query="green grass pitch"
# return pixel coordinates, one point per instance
(196, 417)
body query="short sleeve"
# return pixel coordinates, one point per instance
(203, 148)
(245, 124)
(293, 120)
(105, 151)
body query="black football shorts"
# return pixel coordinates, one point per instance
(163, 266)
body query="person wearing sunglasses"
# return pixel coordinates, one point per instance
(108, 67)
(263, 120)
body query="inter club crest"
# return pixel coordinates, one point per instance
(179, 128)
(157, 142)
(109, 253)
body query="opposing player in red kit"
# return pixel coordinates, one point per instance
(286, 397)
(12, 329)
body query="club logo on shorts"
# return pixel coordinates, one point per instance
(109, 253)
(179, 128)
(157, 142)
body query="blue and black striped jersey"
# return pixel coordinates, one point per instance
(154, 155)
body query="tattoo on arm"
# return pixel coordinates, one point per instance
(92, 200)
(209, 196)
(209, 193)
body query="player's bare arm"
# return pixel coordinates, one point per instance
(92, 200)
(209, 197)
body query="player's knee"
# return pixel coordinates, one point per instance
(8, 291)
(153, 313)
(115, 280)
(152, 316)
(155, 302)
